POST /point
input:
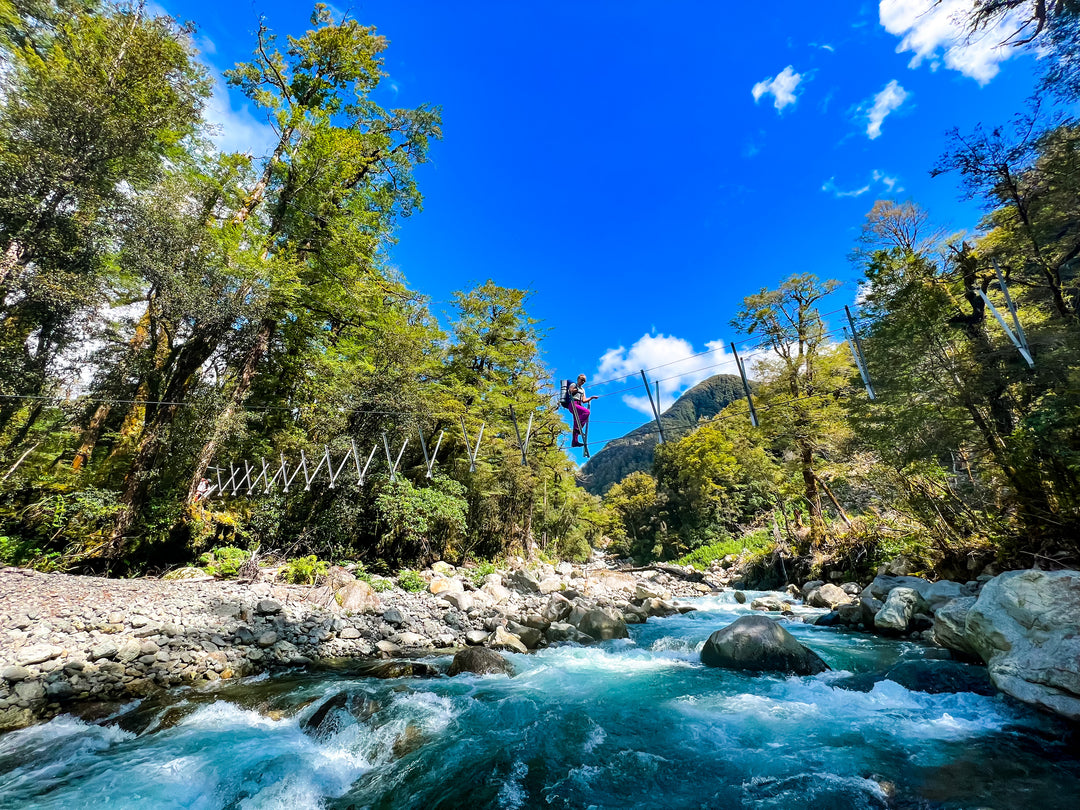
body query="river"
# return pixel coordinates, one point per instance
(635, 723)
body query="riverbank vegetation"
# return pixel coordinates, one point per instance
(168, 309)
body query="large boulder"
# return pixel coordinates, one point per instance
(558, 607)
(1024, 625)
(950, 626)
(358, 597)
(602, 625)
(828, 596)
(899, 609)
(479, 661)
(758, 644)
(942, 592)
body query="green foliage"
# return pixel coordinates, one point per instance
(224, 562)
(758, 542)
(304, 570)
(410, 581)
(422, 520)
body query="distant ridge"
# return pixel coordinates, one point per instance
(634, 451)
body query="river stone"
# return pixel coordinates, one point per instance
(1024, 625)
(349, 633)
(14, 674)
(882, 584)
(523, 582)
(394, 616)
(558, 607)
(502, 640)
(268, 639)
(530, 636)
(461, 600)
(659, 607)
(443, 568)
(38, 653)
(771, 603)
(29, 690)
(358, 597)
(740, 597)
(106, 649)
(944, 591)
(476, 636)
(444, 585)
(602, 625)
(336, 577)
(479, 661)
(925, 675)
(759, 644)
(411, 640)
(496, 591)
(651, 590)
(828, 596)
(268, 607)
(900, 607)
(563, 631)
(129, 651)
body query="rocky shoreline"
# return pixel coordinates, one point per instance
(69, 640)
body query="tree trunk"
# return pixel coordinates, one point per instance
(90, 437)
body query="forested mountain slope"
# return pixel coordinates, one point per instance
(634, 451)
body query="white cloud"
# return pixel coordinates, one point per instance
(890, 185)
(935, 30)
(885, 102)
(672, 362)
(237, 129)
(781, 87)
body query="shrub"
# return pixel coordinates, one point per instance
(224, 562)
(703, 556)
(304, 570)
(410, 581)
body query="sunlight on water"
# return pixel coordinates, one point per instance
(630, 723)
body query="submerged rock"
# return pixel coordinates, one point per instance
(759, 644)
(928, 675)
(479, 661)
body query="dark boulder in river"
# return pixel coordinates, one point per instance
(480, 661)
(758, 644)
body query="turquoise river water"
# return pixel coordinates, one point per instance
(635, 723)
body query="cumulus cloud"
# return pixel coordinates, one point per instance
(781, 87)
(676, 364)
(885, 102)
(934, 31)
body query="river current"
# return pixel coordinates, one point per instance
(635, 723)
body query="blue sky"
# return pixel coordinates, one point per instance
(644, 166)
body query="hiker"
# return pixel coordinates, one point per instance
(579, 407)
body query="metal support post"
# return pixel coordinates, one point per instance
(745, 385)
(653, 405)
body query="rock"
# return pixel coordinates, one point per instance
(602, 625)
(128, 651)
(106, 649)
(401, 669)
(851, 588)
(925, 675)
(828, 596)
(850, 614)
(1024, 626)
(443, 569)
(650, 590)
(479, 661)
(441, 585)
(358, 597)
(869, 607)
(476, 636)
(411, 640)
(531, 637)
(523, 582)
(882, 584)
(830, 619)
(461, 600)
(29, 690)
(759, 644)
(659, 607)
(186, 573)
(558, 607)
(563, 631)
(740, 597)
(551, 585)
(388, 647)
(564, 569)
(408, 741)
(497, 592)
(950, 622)
(349, 633)
(268, 607)
(772, 603)
(502, 640)
(37, 653)
(14, 674)
(227, 610)
(394, 617)
(336, 578)
(900, 607)
(942, 592)
(812, 585)
(268, 639)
